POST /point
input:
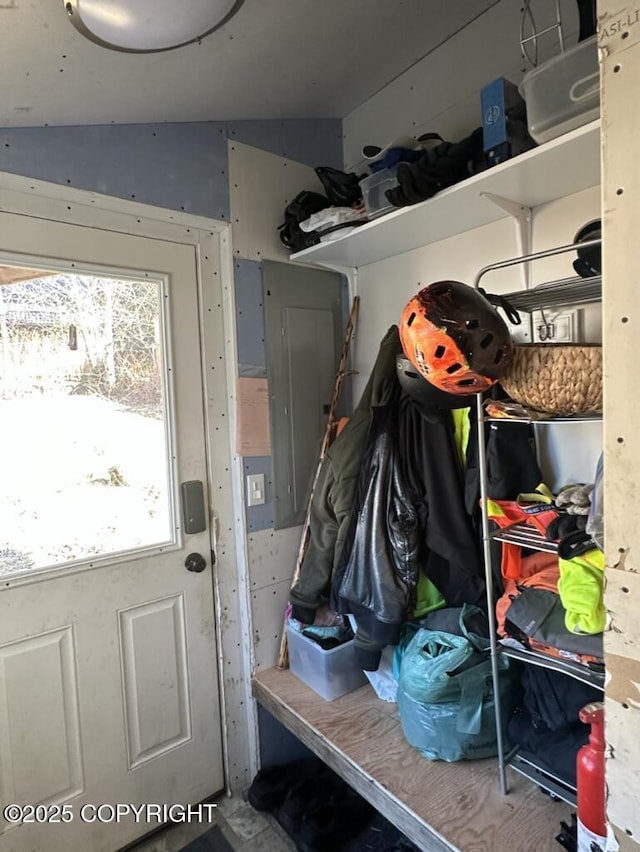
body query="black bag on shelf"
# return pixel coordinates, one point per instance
(342, 189)
(554, 700)
(303, 205)
(552, 751)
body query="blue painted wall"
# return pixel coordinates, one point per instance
(252, 356)
(179, 166)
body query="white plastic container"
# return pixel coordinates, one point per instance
(329, 673)
(563, 93)
(373, 191)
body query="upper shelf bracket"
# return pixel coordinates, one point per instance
(523, 219)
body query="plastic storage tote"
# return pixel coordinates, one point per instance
(329, 673)
(373, 191)
(564, 92)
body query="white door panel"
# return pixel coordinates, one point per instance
(108, 672)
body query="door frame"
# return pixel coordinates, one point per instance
(212, 241)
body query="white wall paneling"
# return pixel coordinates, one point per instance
(272, 555)
(441, 93)
(620, 51)
(568, 453)
(272, 558)
(233, 607)
(268, 606)
(262, 184)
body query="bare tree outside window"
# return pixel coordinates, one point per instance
(83, 448)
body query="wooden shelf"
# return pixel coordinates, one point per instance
(551, 171)
(440, 806)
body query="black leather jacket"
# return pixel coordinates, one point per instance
(409, 516)
(392, 501)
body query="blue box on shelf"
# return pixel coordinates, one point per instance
(504, 122)
(497, 98)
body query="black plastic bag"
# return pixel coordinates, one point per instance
(342, 189)
(303, 205)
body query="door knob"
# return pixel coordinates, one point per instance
(195, 562)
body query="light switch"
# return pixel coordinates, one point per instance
(255, 489)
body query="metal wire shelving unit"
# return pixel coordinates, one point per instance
(565, 292)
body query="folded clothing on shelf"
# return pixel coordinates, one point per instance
(505, 513)
(581, 589)
(332, 216)
(565, 525)
(575, 499)
(579, 583)
(512, 465)
(538, 615)
(538, 571)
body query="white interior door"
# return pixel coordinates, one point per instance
(108, 673)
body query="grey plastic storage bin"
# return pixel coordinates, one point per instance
(329, 673)
(564, 92)
(373, 191)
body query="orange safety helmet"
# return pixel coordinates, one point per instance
(455, 338)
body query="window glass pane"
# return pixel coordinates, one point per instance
(84, 449)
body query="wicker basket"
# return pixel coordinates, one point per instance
(559, 379)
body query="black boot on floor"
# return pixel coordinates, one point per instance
(307, 796)
(333, 823)
(270, 786)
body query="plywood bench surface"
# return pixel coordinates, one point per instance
(440, 806)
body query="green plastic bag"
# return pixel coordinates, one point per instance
(445, 695)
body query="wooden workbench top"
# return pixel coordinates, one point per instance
(440, 806)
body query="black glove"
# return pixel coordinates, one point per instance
(440, 167)
(565, 525)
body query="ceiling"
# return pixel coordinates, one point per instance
(274, 59)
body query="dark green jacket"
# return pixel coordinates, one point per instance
(335, 490)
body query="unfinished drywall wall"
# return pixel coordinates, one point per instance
(620, 49)
(261, 186)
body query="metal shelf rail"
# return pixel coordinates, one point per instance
(565, 292)
(558, 787)
(537, 297)
(578, 671)
(524, 536)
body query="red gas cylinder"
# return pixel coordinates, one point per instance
(592, 819)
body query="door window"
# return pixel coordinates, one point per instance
(85, 450)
